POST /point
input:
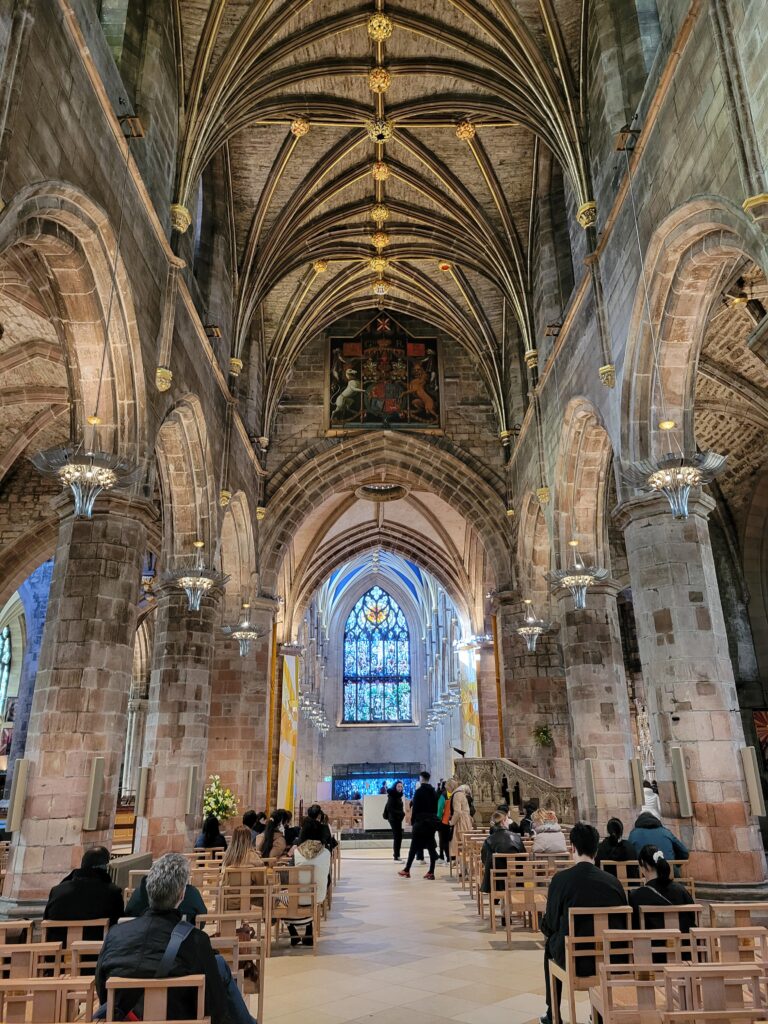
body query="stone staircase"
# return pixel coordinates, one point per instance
(484, 776)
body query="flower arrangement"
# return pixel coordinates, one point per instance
(543, 737)
(218, 800)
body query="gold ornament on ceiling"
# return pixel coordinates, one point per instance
(380, 171)
(378, 264)
(379, 213)
(380, 27)
(380, 239)
(444, 265)
(465, 131)
(181, 218)
(608, 375)
(380, 287)
(379, 79)
(235, 366)
(299, 127)
(586, 214)
(379, 129)
(163, 378)
(320, 266)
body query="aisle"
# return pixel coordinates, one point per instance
(399, 951)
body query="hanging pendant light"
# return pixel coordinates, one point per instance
(196, 579)
(577, 577)
(673, 475)
(244, 632)
(532, 627)
(87, 473)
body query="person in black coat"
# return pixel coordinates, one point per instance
(315, 826)
(189, 908)
(394, 813)
(526, 825)
(500, 840)
(135, 949)
(86, 894)
(424, 824)
(583, 885)
(613, 847)
(659, 890)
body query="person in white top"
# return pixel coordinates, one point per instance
(310, 853)
(651, 800)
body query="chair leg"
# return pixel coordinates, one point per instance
(556, 1019)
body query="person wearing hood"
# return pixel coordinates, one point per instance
(500, 840)
(548, 838)
(86, 894)
(462, 813)
(394, 813)
(310, 853)
(649, 831)
(651, 800)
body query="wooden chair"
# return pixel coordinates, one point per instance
(499, 871)
(739, 915)
(294, 898)
(720, 993)
(730, 945)
(155, 992)
(672, 916)
(627, 872)
(83, 958)
(247, 961)
(647, 948)
(73, 931)
(584, 951)
(32, 960)
(58, 1000)
(15, 931)
(525, 894)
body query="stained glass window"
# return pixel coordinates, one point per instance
(377, 661)
(5, 662)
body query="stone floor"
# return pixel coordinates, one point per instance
(397, 950)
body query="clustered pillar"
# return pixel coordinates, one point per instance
(81, 694)
(689, 682)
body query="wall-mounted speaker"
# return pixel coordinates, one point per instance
(141, 792)
(752, 778)
(18, 794)
(636, 771)
(93, 800)
(254, 777)
(680, 779)
(589, 781)
(192, 777)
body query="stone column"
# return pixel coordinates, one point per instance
(533, 687)
(488, 701)
(134, 744)
(598, 704)
(177, 721)
(81, 693)
(689, 682)
(34, 593)
(237, 739)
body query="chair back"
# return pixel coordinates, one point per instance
(646, 949)
(715, 992)
(246, 898)
(738, 915)
(627, 872)
(730, 945)
(83, 958)
(15, 931)
(295, 893)
(68, 932)
(32, 960)
(154, 992)
(584, 942)
(682, 916)
(42, 1000)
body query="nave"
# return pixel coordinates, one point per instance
(405, 950)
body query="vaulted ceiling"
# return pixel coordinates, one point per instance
(470, 94)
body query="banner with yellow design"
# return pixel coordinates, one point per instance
(470, 714)
(289, 733)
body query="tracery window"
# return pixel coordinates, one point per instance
(5, 662)
(377, 661)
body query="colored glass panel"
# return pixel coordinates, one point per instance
(377, 661)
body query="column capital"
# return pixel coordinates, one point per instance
(648, 506)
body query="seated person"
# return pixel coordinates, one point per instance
(272, 842)
(525, 822)
(548, 838)
(241, 853)
(500, 840)
(582, 885)
(86, 894)
(189, 908)
(311, 852)
(135, 949)
(613, 847)
(316, 814)
(255, 822)
(211, 838)
(660, 890)
(649, 831)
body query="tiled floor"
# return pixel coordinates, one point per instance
(405, 951)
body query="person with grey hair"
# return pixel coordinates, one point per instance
(160, 944)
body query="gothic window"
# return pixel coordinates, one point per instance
(5, 662)
(377, 661)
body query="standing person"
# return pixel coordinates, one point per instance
(444, 815)
(423, 824)
(394, 813)
(583, 885)
(462, 814)
(526, 824)
(651, 800)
